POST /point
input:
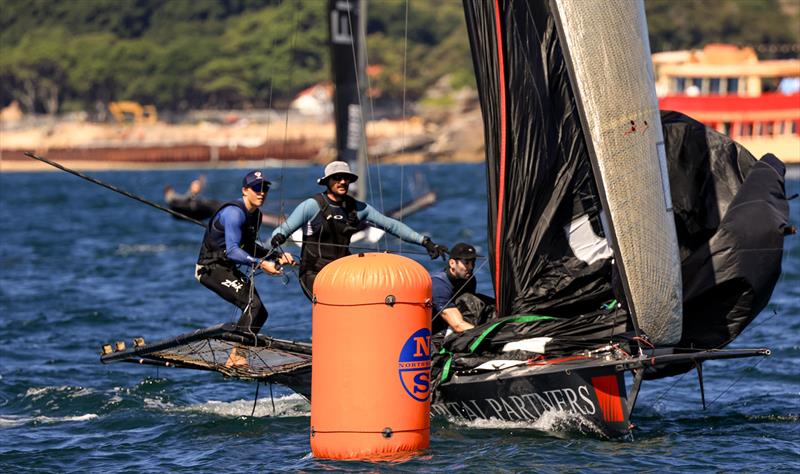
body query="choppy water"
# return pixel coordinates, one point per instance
(80, 266)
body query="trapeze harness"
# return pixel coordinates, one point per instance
(334, 224)
(212, 252)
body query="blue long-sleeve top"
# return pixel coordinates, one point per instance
(232, 219)
(308, 210)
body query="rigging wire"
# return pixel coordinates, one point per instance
(255, 400)
(286, 121)
(743, 374)
(403, 124)
(113, 188)
(272, 398)
(474, 273)
(669, 389)
(361, 36)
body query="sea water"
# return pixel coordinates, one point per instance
(81, 266)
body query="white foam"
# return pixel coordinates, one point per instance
(36, 393)
(550, 421)
(285, 406)
(10, 421)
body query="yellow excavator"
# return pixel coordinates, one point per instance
(126, 111)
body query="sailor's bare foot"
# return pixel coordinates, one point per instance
(236, 360)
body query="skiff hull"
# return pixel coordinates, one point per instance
(595, 395)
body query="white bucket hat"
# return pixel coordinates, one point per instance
(337, 167)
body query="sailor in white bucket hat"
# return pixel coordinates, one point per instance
(337, 168)
(331, 218)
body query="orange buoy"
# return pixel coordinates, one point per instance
(370, 379)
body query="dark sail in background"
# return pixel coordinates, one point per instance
(344, 23)
(538, 170)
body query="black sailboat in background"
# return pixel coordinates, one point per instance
(615, 245)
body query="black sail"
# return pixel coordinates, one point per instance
(344, 38)
(539, 176)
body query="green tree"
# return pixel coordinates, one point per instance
(35, 70)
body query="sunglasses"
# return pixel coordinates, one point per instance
(260, 188)
(341, 177)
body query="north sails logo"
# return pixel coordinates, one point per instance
(414, 365)
(236, 285)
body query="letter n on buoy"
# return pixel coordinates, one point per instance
(370, 380)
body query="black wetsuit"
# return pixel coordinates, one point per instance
(220, 274)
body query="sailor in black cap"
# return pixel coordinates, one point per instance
(331, 218)
(231, 240)
(451, 286)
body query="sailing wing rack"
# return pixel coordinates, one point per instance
(268, 359)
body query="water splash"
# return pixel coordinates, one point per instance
(551, 421)
(285, 406)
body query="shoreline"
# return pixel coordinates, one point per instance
(33, 166)
(30, 165)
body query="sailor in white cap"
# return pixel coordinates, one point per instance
(331, 218)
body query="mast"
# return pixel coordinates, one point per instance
(361, 65)
(347, 26)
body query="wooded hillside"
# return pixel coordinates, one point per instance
(58, 56)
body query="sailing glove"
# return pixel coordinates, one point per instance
(434, 250)
(278, 240)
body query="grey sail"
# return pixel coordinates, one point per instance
(608, 57)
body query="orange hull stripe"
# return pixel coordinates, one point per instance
(608, 398)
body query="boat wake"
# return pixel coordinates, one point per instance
(286, 406)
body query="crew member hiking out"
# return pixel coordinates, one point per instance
(231, 240)
(331, 218)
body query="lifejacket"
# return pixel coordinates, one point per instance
(213, 249)
(334, 224)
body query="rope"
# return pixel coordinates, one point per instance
(474, 272)
(253, 269)
(286, 121)
(736, 381)
(272, 397)
(113, 188)
(255, 401)
(669, 389)
(403, 126)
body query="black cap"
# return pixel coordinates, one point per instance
(254, 178)
(463, 251)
